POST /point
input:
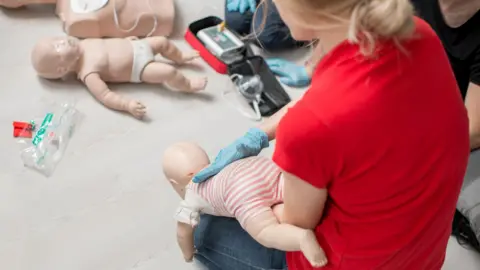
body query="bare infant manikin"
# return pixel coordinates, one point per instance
(116, 60)
(246, 189)
(109, 18)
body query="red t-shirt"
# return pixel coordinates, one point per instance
(388, 137)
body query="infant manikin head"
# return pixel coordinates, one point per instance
(55, 57)
(181, 162)
(21, 3)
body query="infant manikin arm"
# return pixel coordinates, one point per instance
(102, 93)
(185, 240)
(266, 230)
(278, 212)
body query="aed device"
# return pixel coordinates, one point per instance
(222, 43)
(226, 53)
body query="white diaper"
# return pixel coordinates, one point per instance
(191, 207)
(87, 6)
(142, 56)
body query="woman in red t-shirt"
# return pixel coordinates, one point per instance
(374, 153)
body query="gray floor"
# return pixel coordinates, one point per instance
(107, 206)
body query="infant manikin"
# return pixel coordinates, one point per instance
(117, 60)
(246, 189)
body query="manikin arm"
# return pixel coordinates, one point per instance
(266, 230)
(102, 93)
(185, 240)
(278, 211)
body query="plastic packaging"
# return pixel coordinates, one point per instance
(238, 101)
(51, 136)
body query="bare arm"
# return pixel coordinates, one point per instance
(303, 203)
(185, 240)
(102, 93)
(269, 126)
(265, 229)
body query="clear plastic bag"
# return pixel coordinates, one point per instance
(51, 134)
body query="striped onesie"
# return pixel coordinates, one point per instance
(242, 190)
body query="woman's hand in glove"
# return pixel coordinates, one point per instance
(290, 73)
(251, 144)
(241, 5)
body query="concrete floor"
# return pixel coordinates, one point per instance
(107, 206)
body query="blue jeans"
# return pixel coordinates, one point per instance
(275, 34)
(222, 244)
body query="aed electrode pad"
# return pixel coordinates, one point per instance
(222, 43)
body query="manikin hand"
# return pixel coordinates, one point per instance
(290, 73)
(278, 211)
(137, 109)
(241, 5)
(251, 144)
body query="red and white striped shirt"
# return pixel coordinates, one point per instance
(243, 189)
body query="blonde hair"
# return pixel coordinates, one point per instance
(369, 20)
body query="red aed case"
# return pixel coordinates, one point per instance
(191, 37)
(273, 97)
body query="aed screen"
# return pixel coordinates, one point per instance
(220, 38)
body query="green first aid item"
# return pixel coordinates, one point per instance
(43, 129)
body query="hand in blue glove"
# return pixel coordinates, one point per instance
(241, 5)
(249, 145)
(290, 73)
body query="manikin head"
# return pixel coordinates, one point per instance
(181, 162)
(21, 3)
(55, 57)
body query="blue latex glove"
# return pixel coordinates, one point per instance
(290, 73)
(241, 5)
(249, 145)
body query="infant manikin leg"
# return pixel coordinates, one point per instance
(157, 73)
(163, 46)
(270, 233)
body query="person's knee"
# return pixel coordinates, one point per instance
(474, 140)
(238, 22)
(474, 136)
(472, 102)
(275, 38)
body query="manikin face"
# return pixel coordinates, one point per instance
(68, 50)
(56, 57)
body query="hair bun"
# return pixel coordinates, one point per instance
(385, 18)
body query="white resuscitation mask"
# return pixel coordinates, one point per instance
(250, 89)
(87, 6)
